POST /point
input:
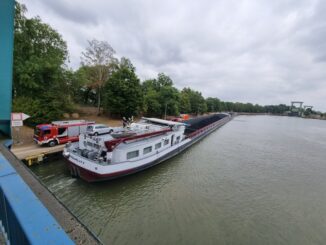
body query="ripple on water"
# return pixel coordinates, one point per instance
(257, 180)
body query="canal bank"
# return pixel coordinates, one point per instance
(257, 180)
(24, 180)
(69, 223)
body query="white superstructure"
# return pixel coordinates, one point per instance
(126, 150)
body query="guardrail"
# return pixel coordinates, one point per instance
(208, 127)
(24, 219)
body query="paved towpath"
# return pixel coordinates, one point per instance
(22, 152)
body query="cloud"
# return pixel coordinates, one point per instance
(265, 52)
(68, 10)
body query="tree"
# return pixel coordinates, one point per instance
(213, 104)
(123, 93)
(277, 109)
(152, 105)
(39, 76)
(125, 62)
(197, 101)
(164, 80)
(184, 105)
(78, 86)
(160, 96)
(169, 100)
(39, 54)
(99, 57)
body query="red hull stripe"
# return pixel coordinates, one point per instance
(92, 177)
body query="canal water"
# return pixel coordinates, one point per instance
(256, 180)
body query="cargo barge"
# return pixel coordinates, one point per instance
(137, 147)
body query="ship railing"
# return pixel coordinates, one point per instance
(111, 144)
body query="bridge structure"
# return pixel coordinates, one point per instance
(7, 12)
(29, 213)
(296, 110)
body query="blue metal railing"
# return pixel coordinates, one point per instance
(24, 218)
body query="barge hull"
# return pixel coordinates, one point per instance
(90, 176)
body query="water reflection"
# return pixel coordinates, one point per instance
(257, 180)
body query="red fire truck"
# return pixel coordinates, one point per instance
(60, 132)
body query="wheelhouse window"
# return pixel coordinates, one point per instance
(166, 141)
(147, 150)
(158, 145)
(132, 154)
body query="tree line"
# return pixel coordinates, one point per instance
(45, 88)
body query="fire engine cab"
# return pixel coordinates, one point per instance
(60, 132)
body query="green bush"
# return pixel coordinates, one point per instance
(41, 110)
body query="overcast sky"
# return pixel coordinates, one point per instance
(265, 52)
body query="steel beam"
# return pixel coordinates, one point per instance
(299, 111)
(7, 10)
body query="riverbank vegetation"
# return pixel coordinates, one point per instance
(45, 88)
